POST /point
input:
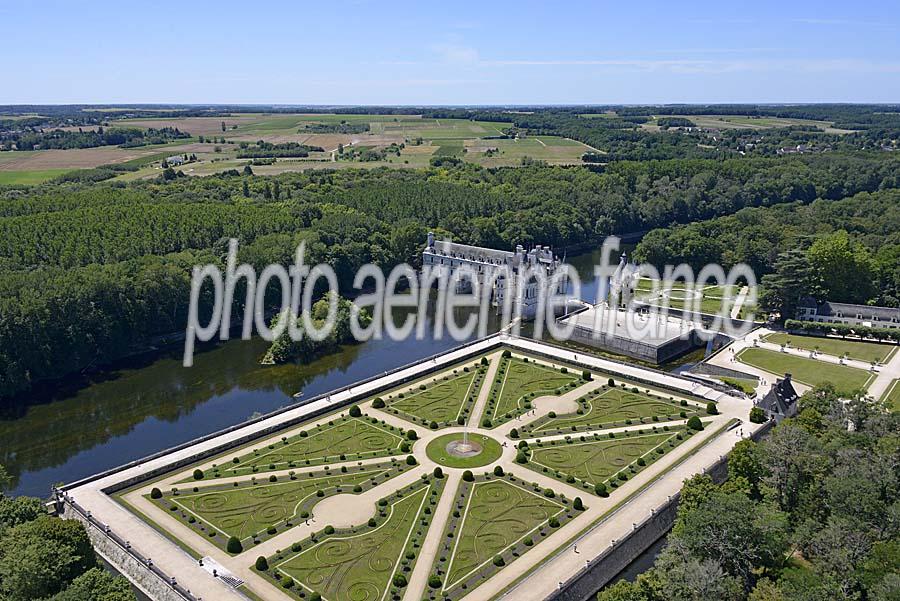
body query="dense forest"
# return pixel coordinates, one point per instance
(90, 272)
(125, 137)
(846, 250)
(812, 513)
(43, 557)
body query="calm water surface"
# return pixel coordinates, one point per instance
(84, 427)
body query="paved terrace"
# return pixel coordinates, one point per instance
(594, 530)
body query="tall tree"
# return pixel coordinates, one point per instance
(842, 269)
(792, 280)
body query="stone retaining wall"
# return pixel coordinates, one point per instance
(147, 578)
(636, 349)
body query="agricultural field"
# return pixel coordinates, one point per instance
(747, 122)
(610, 407)
(27, 178)
(469, 140)
(854, 349)
(806, 371)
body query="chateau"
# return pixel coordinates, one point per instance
(500, 269)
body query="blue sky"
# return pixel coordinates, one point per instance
(449, 52)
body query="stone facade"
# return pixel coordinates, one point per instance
(514, 277)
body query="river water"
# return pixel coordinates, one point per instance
(84, 426)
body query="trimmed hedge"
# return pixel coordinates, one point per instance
(841, 329)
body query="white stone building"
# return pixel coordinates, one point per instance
(501, 270)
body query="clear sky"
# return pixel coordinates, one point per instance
(461, 52)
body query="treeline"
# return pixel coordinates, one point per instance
(66, 140)
(267, 149)
(820, 328)
(845, 250)
(847, 116)
(808, 514)
(335, 128)
(43, 557)
(92, 272)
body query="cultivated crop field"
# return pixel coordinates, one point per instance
(468, 140)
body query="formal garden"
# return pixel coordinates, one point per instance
(263, 503)
(520, 380)
(370, 561)
(440, 401)
(838, 347)
(495, 519)
(613, 406)
(811, 372)
(252, 510)
(344, 438)
(602, 462)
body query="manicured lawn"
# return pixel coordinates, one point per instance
(250, 508)
(598, 461)
(807, 371)
(892, 396)
(746, 385)
(609, 407)
(343, 438)
(519, 381)
(496, 515)
(490, 451)
(855, 349)
(443, 401)
(361, 563)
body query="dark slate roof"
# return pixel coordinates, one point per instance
(827, 309)
(781, 398)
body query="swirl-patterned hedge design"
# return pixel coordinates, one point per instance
(358, 567)
(251, 509)
(613, 406)
(351, 437)
(441, 401)
(497, 514)
(595, 462)
(517, 379)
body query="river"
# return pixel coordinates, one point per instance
(87, 425)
